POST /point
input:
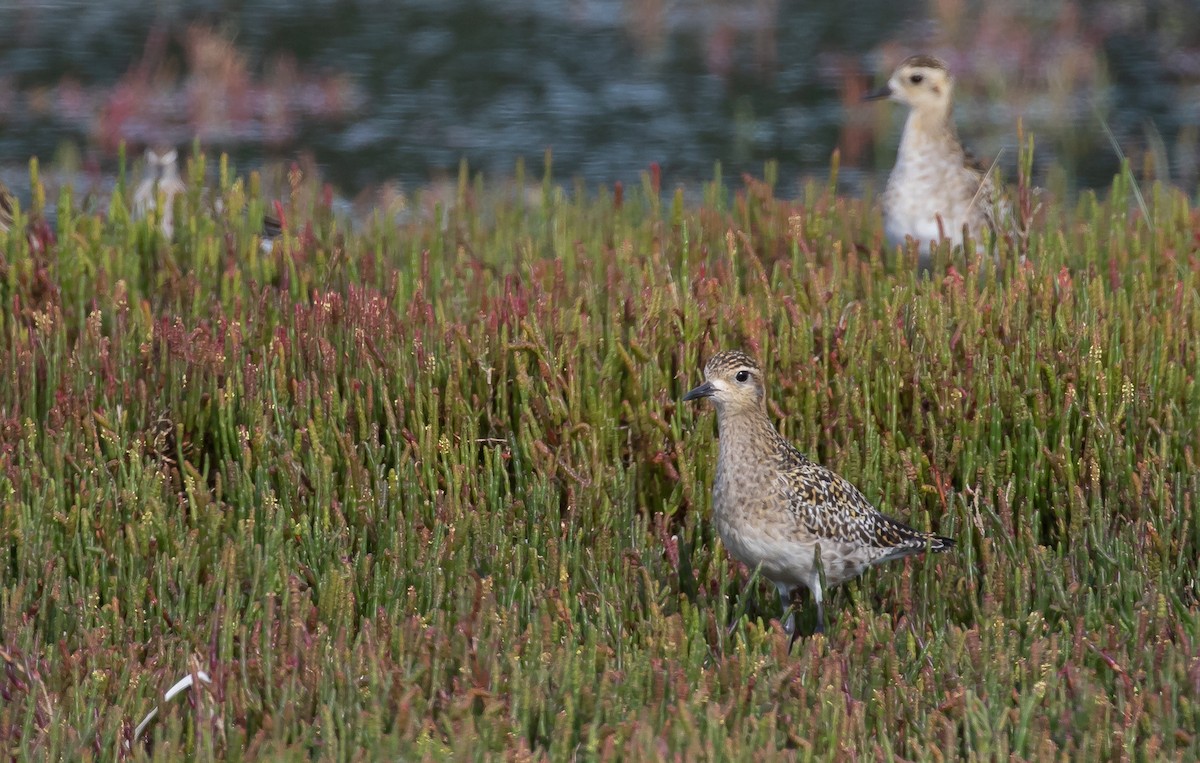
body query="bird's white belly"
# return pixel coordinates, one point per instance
(922, 229)
(917, 215)
(784, 555)
(923, 191)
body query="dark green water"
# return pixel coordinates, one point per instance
(608, 90)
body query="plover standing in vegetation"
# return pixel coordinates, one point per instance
(272, 229)
(161, 175)
(797, 522)
(8, 208)
(935, 189)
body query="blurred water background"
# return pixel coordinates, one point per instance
(379, 94)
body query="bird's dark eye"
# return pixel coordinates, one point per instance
(742, 375)
(916, 79)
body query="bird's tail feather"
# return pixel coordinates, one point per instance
(939, 542)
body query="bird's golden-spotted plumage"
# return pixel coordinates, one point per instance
(936, 188)
(778, 511)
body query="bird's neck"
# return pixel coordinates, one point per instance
(746, 433)
(929, 130)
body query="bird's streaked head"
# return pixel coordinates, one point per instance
(734, 382)
(921, 82)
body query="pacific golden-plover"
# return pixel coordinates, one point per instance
(935, 189)
(272, 228)
(160, 175)
(8, 208)
(797, 522)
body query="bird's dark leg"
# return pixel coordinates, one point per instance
(785, 601)
(792, 641)
(743, 602)
(817, 588)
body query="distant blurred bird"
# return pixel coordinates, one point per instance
(936, 189)
(272, 228)
(39, 231)
(161, 175)
(8, 208)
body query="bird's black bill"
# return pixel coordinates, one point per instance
(881, 93)
(704, 390)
